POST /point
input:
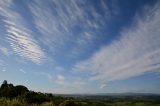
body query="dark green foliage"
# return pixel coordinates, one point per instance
(5, 82)
(7, 90)
(21, 89)
(70, 103)
(34, 97)
(11, 91)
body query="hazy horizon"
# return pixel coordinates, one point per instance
(81, 46)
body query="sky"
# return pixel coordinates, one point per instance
(81, 46)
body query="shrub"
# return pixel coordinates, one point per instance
(4, 102)
(15, 102)
(47, 104)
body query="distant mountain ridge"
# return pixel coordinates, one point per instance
(109, 94)
(128, 94)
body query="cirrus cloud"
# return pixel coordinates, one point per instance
(18, 35)
(136, 52)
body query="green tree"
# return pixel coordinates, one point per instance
(21, 89)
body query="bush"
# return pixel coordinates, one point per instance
(70, 103)
(35, 98)
(47, 104)
(15, 102)
(4, 102)
(8, 102)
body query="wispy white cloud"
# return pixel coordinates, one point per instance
(3, 66)
(24, 45)
(47, 75)
(4, 51)
(71, 82)
(136, 52)
(59, 22)
(18, 35)
(60, 79)
(4, 69)
(102, 86)
(27, 81)
(74, 85)
(21, 70)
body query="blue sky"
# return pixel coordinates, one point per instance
(81, 46)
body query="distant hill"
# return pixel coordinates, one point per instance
(128, 94)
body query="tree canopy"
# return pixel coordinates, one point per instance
(10, 91)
